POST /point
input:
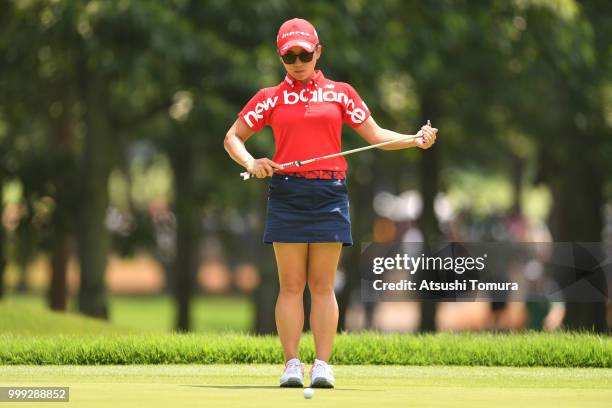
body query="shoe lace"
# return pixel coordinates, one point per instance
(294, 367)
(319, 370)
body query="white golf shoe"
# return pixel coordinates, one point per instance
(293, 376)
(321, 375)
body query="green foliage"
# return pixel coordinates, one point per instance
(526, 80)
(194, 64)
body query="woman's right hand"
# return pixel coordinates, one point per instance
(263, 167)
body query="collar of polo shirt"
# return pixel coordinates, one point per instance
(315, 80)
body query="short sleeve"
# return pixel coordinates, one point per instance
(355, 111)
(256, 113)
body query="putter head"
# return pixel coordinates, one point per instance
(245, 175)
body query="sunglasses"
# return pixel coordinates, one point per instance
(290, 58)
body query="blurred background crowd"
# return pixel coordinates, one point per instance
(119, 201)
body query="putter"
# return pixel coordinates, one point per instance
(246, 175)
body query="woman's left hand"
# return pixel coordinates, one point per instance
(428, 137)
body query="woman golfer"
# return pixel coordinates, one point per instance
(308, 209)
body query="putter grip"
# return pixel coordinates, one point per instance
(245, 175)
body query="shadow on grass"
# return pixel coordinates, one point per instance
(271, 387)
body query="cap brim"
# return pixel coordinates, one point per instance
(308, 47)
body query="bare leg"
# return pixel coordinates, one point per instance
(291, 260)
(322, 265)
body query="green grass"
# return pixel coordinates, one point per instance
(356, 386)
(151, 313)
(106, 364)
(518, 350)
(210, 314)
(29, 334)
(30, 319)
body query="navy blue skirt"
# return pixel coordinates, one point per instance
(307, 210)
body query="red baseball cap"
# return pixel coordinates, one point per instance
(296, 32)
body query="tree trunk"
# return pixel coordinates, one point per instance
(186, 230)
(518, 172)
(66, 184)
(267, 292)
(362, 218)
(429, 170)
(93, 238)
(577, 216)
(59, 261)
(265, 297)
(574, 165)
(307, 299)
(25, 248)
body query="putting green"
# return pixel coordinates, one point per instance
(357, 386)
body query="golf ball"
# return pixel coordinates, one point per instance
(308, 393)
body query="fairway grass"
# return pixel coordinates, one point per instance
(153, 313)
(31, 319)
(357, 386)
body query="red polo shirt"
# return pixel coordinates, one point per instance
(306, 119)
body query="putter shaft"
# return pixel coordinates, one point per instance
(246, 175)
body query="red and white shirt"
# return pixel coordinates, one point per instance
(306, 119)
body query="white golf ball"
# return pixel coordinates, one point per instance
(308, 393)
